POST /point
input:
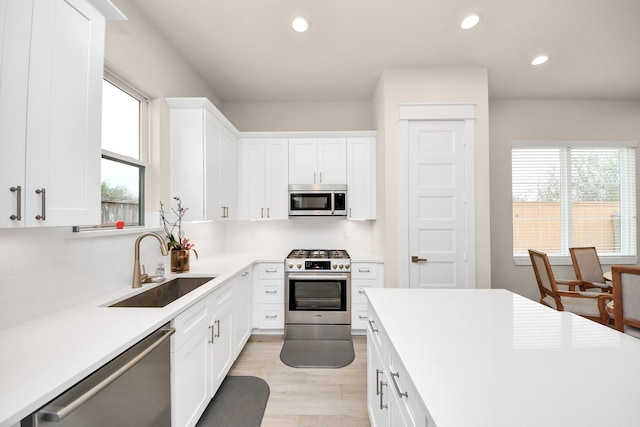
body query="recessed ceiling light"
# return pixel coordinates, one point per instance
(470, 22)
(300, 25)
(538, 60)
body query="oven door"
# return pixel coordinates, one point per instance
(318, 298)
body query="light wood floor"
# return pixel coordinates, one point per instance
(304, 396)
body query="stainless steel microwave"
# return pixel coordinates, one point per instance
(318, 200)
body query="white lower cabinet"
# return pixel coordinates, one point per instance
(202, 353)
(363, 275)
(392, 400)
(270, 296)
(242, 309)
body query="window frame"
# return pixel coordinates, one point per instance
(565, 259)
(144, 142)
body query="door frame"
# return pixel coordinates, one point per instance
(408, 112)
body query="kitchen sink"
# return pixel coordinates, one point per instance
(164, 294)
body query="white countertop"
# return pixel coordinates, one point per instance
(42, 358)
(489, 357)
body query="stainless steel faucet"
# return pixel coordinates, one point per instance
(137, 276)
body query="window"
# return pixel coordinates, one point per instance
(574, 194)
(124, 136)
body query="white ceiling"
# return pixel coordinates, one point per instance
(248, 52)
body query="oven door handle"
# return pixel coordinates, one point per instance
(318, 276)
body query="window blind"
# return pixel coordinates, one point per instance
(573, 194)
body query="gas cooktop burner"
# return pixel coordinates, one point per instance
(327, 260)
(318, 253)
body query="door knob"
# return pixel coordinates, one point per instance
(416, 259)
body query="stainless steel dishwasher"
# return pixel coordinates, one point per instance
(134, 389)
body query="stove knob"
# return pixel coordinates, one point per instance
(299, 266)
(341, 266)
(290, 266)
(346, 266)
(335, 266)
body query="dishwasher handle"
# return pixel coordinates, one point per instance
(56, 413)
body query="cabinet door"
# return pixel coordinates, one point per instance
(227, 164)
(15, 38)
(64, 113)
(221, 347)
(242, 305)
(361, 178)
(378, 396)
(303, 161)
(251, 181)
(277, 179)
(332, 161)
(212, 148)
(190, 378)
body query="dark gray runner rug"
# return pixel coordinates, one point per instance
(317, 353)
(239, 402)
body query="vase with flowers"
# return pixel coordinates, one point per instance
(179, 246)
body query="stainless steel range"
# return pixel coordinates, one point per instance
(317, 294)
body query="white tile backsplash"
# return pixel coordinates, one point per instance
(42, 270)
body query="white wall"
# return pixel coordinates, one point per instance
(542, 119)
(299, 233)
(299, 116)
(437, 85)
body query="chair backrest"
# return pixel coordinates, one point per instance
(586, 264)
(626, 296)
(544, 276)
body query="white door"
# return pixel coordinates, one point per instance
(437, 208)
(303, 161)
(332, 161)
(276, 179)
(64, 113)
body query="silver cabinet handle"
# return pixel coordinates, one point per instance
(212, 334)
(269, 291)
(373, 328)
(349, 212)
(56, 413)
(382, 406)
(268, 212)
(271, 270)
(360, 316)
(394, 377)
(321, 177)
(314, 177)
(378, 372)
(43, 193)
(270, 316)
(18, 215)
(218, 322)
(361, 291)
(364, 270)
(261, 212)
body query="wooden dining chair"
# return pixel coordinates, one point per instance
(591, 305)
(588, 269)
(626, 299)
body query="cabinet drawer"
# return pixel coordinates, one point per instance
(273, 270)
(405, 394)
(357, 290)
(364, 270)
(271, 291)
(220, 297)
(271, 316)
(359, 316)
(189, 322)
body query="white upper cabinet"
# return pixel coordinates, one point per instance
(263, 178)
(202, 159)
(361, 178)
(317, 161)
(51, 66)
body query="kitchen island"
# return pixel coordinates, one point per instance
(488, 357)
